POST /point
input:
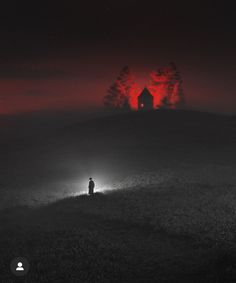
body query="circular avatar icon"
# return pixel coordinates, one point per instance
(19, 266)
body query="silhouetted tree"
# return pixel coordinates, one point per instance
(119, 93)
(167, 82)
(165, 103)
(176, 96)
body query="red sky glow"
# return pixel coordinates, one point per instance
(83, 88)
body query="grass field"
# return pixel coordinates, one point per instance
(136, 235)
(165, 210)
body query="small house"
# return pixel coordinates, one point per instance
(145, 100)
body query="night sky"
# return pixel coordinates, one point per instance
(64, 55)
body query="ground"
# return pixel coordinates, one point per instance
(137, 235)
(170, 217)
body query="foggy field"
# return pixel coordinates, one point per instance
(137, 149)
(161, 234)
(164, 209)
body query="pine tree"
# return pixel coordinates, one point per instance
(118, 96)
(176, 95)
(167, 83)
(160, 86)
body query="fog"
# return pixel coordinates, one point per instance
(118, 152)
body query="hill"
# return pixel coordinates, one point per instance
(119, 151)
(165, 211)
(163, 234)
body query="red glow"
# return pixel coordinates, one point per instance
(164, 83)
(134, 93)
(25, 95)
(29, 95)
(91, 77)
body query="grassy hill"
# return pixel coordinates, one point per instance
(167, 211)
(135, 235)
(118, 151)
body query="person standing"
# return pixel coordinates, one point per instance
(91, 186)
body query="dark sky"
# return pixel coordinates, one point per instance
(64, 55)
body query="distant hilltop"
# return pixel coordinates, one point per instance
(164, 90)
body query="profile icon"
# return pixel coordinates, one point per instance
(20, 266)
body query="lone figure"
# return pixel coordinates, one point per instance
(91, 186)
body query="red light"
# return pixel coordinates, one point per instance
(142, 105)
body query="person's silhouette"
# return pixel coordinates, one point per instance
(91, 186)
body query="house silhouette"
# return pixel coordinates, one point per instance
(145, 100)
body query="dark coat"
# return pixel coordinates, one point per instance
(91, 186)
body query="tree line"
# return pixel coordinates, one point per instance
(169, 79)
